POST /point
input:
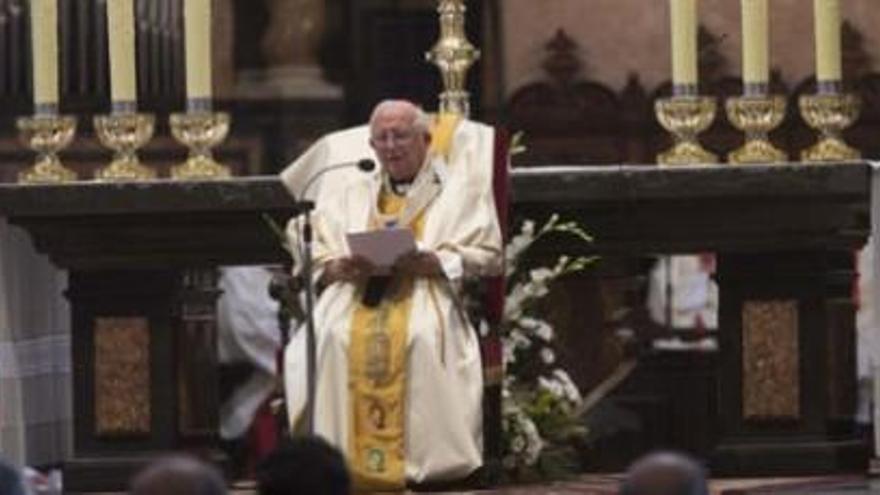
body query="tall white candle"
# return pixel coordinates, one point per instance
(684, 41)
(121, 33)
(828, 51)
(44, 49)
(197, 16)
(756, 68)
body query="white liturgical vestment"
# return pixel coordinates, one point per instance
(453, 200)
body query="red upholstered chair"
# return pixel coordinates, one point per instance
(490, 345)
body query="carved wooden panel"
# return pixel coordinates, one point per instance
(197, 392)
(770, 359)
(122, 376)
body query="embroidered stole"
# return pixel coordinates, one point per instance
(377, 351)
(377, 376)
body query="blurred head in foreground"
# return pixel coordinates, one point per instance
(665, 473)
(178, 475)
(304, 466)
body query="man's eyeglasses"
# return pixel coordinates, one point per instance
(391, 138)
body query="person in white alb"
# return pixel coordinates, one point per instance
(399, 379)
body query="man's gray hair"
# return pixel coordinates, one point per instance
(665, 473)
(421, 120)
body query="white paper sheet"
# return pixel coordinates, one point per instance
(382, 247)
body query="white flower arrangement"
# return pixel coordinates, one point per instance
(539, 399)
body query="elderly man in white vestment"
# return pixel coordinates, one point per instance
(399, 378)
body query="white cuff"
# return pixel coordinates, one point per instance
(451, 264)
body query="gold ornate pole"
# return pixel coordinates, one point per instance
(454, 55)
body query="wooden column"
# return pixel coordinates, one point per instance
(196, 360)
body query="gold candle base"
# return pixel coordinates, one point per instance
(200, 131)
(686, 117)
(756, 116)
(47, 135)
(125, 133)
(830, 114)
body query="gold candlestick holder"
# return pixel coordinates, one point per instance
(830, 114)
(47, 135)
(686, 117)
(125, 133)
(756, 116)
(200, 131)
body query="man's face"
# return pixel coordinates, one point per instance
(400, 146)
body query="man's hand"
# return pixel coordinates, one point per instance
(352, 269)
(418, 264)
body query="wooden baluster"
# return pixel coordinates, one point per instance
(65, 53)
(99, 63)
(19, 31)
(81, 77)
(159, 47)
(167, 49)
(155, 48)
(147, 60)
(176, 70)
(142, 33)
(4, 64)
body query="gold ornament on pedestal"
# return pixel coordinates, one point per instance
(125, 133)
(756, 116)
(200, 131)
(454, 55)
(47, 135)
(830, 114)
(686, 117)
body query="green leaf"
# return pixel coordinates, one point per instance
(278, 231)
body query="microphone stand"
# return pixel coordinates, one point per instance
(311, 344)
(307, 269)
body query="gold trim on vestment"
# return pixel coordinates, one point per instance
(377, 376)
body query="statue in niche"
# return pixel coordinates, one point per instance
(294, 32)
(291, 33)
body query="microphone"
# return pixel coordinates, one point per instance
(365, 165)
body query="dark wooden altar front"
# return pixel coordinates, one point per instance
(142, 261)
(785, 240)
(143, 258)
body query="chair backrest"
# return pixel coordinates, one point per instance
(501, 190)
(345, 146)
